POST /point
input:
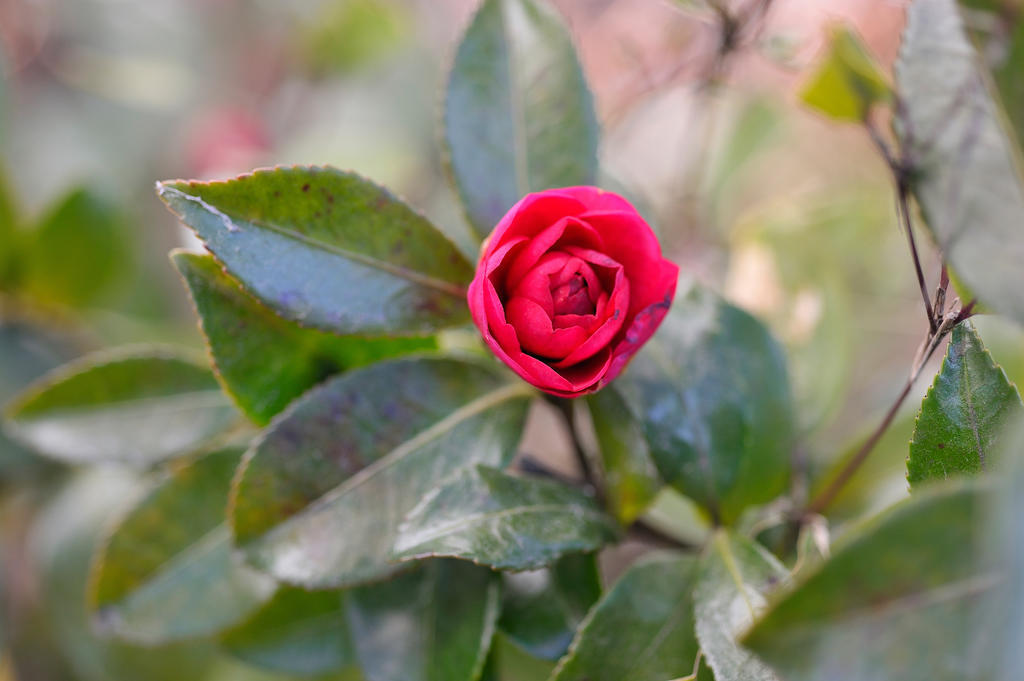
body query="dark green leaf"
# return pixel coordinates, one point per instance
(963, 414)
(167, 572)
(733, 577)
(503, 521)
(77, 251)
(328, 249)
(296, 632)
(322, 494)
(712, 392)
(265, 361)
(641, 630)
(848, 82)
(631, 479)
(901, 598)
(136, 405)
(541, 609)
(518, 115)
(433, 624)
(967, 178)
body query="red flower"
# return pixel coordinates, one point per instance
(569, 285)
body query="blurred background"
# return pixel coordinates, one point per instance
(788, 214)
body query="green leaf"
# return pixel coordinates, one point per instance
(712, 393)
(541, 609)
(963, 414)
(503, 521)
(298, 632)
(27, 350)
(641, 630)
(848, 82)
(631, 480)
(433, 624)
(518, 115)
(77, 251)
(10, 231)
(328, 249)
(167, 572)
(967, 174)
(508, 662)
(1006, 72)
(135, 405)
(322, 494)
(265, 361)
(62, 544)
(901, 598)
(733, 577)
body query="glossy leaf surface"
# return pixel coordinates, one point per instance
(903, 598)
(518, 115)
(296, 632)
(432, 624)
(631, 480)
(733, 579)
(328, 249)
(503, 521)
(263, 360)
(712, 392)
(323, 492)
(963, 415)
(136, 405)
(167, 570)
(541, 609)
(641, 630)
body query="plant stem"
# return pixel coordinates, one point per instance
(828, 495)
(939, 325)
(903, 211)
(568, 411)
(899, 175)
(928, 348)
(640, 528)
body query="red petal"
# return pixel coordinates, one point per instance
(615, 316)
(639, 331)
(535, 332)
(585, 377)
(595, 198)
(493, 261)
(568, 229)
(635, 246)
(533, 214)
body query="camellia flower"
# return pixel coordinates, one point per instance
(569, 285)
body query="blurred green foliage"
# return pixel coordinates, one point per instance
(98, 99)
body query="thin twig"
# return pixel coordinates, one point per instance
(567, 409)
(899, 174)
(828, 495)
(640, 529)
(903, 210)
(924, 354)
(967, 311)
(940, 292)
